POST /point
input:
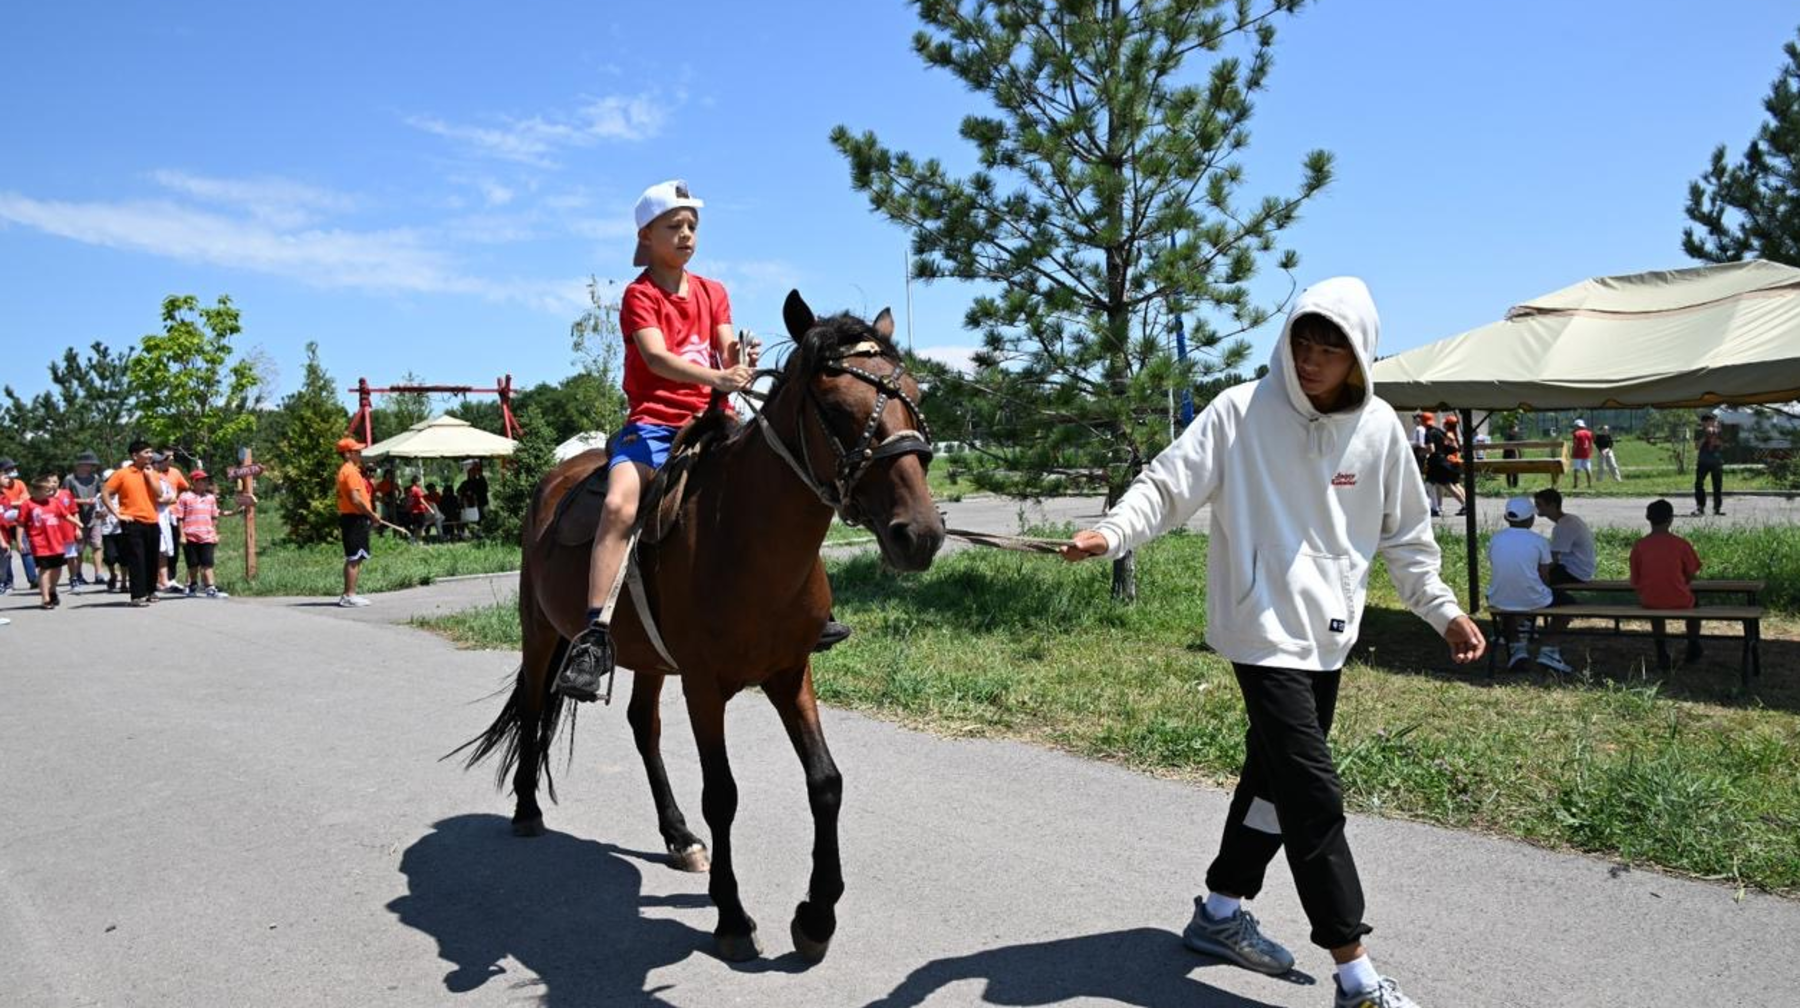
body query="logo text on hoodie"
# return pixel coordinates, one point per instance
(1343, 480)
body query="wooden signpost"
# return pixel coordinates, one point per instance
(245, 472)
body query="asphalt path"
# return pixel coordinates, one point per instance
(239, 803)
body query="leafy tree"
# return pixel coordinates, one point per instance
(88, 407)
(1674, 430)
(1105, 207)
(189, 390)
(1751, 209)
(400, 410)
(482, 413)
(598, 345)
(534, 456)
(306, 460)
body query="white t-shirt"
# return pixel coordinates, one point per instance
(1514, 554)
(1572, 543)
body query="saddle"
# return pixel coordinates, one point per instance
(659, 510)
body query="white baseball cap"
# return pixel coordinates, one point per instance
(1581, 423)
(1520, 508)
(657, 200)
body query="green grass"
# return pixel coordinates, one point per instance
(286, 569)
(1687, 777)
(1648, 472)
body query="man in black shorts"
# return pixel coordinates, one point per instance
(355, 513)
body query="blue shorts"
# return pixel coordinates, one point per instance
(645, 444)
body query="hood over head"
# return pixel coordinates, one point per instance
(1346, 303)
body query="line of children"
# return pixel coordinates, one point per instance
(49, 523)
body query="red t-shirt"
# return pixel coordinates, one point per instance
(1584, 444)
(1662, 564)
(46, 526)
(415, 500)
(687, 325)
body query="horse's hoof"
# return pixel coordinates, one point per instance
(532, 827)
(811, 951)
(690, 859)
(737, 948)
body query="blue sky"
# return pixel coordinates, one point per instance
(425, 188)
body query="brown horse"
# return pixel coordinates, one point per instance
(738, 593)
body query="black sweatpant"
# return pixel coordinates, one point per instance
(1289, 796)
(141, 543)
(1701, 469)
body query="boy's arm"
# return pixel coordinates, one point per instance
(1409, 546)
(663, 363)
(1170, 489)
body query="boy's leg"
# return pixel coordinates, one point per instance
(1694, 651)
(1718, 480)
(1290, 712)
(352, 570)
(590, 656)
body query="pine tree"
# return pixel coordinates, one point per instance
(534, 456)
(1751, 209)
(306, 460)
(1105, 208)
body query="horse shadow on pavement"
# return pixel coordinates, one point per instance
(1144, 967)
(569, 910)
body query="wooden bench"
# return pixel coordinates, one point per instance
(1513, 467)
(1750, 616)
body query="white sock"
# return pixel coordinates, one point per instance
(1220, 907)
(1357, 975)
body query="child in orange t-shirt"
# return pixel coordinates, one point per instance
(1663, 566)
(50, 526)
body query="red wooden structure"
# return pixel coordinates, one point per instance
(362, 425)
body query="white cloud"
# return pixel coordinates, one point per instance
(756, 275)
(535, 139)
(396, 260)
(961, 358)
(278, 201)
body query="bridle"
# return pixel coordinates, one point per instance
(853, 462)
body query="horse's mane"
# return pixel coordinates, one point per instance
(709, 429)
(834, 332)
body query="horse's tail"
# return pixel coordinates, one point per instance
(516, 729)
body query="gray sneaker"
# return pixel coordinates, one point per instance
(1385, 994)
(1235, 939)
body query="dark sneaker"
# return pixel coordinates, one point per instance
(1385, 994)
(1235, 939)
(590, 659)
(831, 635)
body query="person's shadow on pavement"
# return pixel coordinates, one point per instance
(567, 909)
(1145, 967)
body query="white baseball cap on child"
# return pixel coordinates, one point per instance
(1581, 423)
(657, 200)
(1520, 508)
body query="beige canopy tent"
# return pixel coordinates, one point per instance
(441, 437)
(1672, 338)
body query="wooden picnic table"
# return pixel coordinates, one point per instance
(1749, 615)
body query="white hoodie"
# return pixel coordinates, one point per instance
(1301, 503)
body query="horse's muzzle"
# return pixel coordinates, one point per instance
(910, 546)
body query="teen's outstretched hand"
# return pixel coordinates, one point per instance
(1466, 642)
(1084, 544)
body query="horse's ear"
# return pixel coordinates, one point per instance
(884, 325)
(796, 314)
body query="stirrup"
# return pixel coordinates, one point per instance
(590, 659)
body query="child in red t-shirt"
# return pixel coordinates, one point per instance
(680, 347)
(1581, 455)
(1663, 565)
(50, 526)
